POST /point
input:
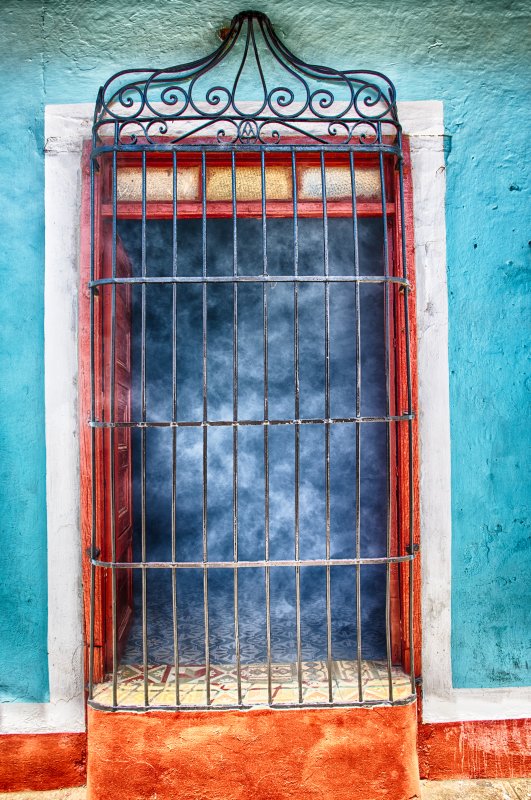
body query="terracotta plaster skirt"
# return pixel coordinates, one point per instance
(260, 754)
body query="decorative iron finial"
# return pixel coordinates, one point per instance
(251, 90)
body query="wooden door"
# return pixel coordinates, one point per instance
(117, 449)
(95, 477)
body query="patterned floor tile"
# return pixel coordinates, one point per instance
(375, 681)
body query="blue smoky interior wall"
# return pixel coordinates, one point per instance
(154, 341)
(474, 56)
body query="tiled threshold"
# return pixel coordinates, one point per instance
(515, 789)
(373, 678)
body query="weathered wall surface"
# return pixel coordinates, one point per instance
(264, 754)
(474, 57)
(42, 761)
(475, 749)
(23, 585)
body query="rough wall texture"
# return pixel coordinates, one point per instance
(23, 598)
(474, 56)
(43, 761)
(325, 754)
(500, 748)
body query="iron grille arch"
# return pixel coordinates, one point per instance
(314, 115)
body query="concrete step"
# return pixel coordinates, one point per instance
(57, 794)
(516, 789)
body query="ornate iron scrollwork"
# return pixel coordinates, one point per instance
(208, 98)
(157, 154)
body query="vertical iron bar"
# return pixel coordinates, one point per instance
(387, 327)
(409, 411)
(205, 429)
(235, 427)
(143, 440)
(358, 427)
(297, 424)
(327, 432)
(92, 440)
(174, 439)
(109, 318)
(111, 435)
(266, 429)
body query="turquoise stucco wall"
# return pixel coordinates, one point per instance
(471, 54)
(23, 587)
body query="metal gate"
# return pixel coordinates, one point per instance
(284, 140)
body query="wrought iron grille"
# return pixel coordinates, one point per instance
(293, 147)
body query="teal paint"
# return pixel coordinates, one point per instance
(474, 56)
(23, 586)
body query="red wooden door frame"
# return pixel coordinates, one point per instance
(85, 433)
(400, 589)
(120, 453)
(402, 442)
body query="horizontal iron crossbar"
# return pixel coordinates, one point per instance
(250, 422)
(208, 147)
(253, 279)
(314, 562)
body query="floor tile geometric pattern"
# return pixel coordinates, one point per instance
(162, 688)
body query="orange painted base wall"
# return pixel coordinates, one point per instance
(491, 749)
(315, 754)
(42, 761)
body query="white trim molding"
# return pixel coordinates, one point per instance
(423, 122)
(65, 712)
(66, 128)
